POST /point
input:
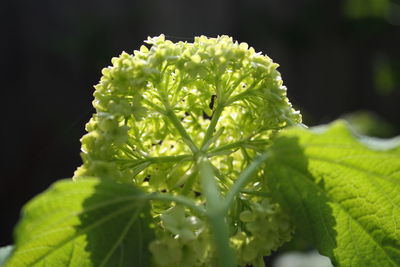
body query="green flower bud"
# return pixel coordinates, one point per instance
(167, 252)
(247, 216)
(175, 221)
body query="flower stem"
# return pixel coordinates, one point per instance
(161, 159)
(244, 178)
(179, 127)
(178, 199)
(210, 130)
(215, 212)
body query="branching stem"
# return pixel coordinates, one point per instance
(162, 159)
(178, 199)
(243, 179)
(215, 212)
(179, 127)
(210, 130)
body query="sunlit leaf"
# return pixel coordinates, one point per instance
(342, 195)
(84, 223)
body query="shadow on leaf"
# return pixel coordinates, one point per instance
(301, 194)
(116, 222)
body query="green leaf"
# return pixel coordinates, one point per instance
(342, 195)
(85, 223)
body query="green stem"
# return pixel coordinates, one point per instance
(187, 187)
(228, 147)
(211, 127)
(175, 121)
(186, 138)
(215, 213)
(243, 94)
(154, 106)
(169, 158)
(236, 84)
(150, 160)
(178, 199)
(244, 178)
(255, 193)
(169, 113)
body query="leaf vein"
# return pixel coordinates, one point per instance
(83, 231)
(335, 202)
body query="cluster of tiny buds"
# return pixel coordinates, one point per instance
(157, 108)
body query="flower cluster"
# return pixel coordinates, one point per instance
(264, 229)
(160, 106)
(185, 241)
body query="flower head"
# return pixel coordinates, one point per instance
(157, 108)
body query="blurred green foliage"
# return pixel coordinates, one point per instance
(366, 8)
(370, 124)
(384, 76)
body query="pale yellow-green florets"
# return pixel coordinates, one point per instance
(157, 108)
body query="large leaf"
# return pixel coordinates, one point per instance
(84, 223)
(342, 195)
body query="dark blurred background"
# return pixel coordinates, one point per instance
(336, 57)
